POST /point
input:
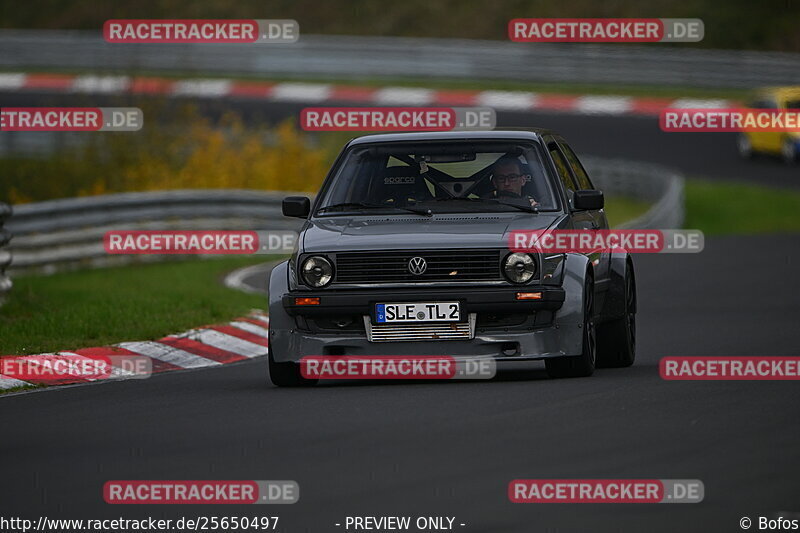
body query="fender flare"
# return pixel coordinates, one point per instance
(569, 318)
(573, 280)
(278, 286)
(280, 323)
(615, 297)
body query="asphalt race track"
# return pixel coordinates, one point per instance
(451, 448)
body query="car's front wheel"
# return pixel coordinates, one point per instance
(286, 374)
(744, 146)
(581, 365)
(789, 151)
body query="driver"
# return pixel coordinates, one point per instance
(508, 177)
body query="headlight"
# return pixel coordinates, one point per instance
(519, 268)
(317, 271)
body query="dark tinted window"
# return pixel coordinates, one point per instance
(763, 104)
(561, 168)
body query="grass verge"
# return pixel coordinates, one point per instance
(87, 308)
(621, 209)
(739, 208)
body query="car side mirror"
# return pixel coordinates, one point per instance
(296, 206)
(588, 200)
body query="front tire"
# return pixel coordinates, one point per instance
(580, 365)
(616, 340)
(744, 146)
(789, 151)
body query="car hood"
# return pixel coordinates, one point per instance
(402, 232)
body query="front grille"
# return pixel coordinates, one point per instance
(452, 331)
(442, 265)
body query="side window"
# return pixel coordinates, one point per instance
(763, 104)
(580, 173)
(562, 169)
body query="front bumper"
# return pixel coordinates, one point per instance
(544, 343)
(536, 335)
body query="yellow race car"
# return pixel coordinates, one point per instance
(785, 144)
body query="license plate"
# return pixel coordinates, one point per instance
(418, 312)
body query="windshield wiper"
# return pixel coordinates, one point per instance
(521, 207)
(365, 205)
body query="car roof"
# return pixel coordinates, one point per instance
(781, 93)
(493, 135)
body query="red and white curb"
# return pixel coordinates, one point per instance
(329, 93)
(239, 340)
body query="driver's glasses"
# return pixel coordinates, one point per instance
(507, 178)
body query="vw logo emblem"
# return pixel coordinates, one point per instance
(417, 266)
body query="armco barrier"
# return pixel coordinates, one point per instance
(660, 186)
(5, 255)
(329, 56)
(68, 234)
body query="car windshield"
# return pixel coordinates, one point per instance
(427, 178)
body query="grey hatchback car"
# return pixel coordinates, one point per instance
(421, 222)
